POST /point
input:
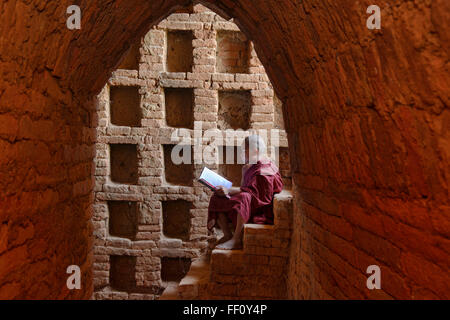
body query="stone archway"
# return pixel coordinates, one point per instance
(366, 114)
(194, 72)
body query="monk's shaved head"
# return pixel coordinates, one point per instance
(255, 145)
(255, 142)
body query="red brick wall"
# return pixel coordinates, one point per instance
(372, 153)
(366, 112)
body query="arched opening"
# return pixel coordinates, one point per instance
(194, 72)
(366, 115)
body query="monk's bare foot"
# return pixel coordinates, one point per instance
(231, 244)
(211, 224)
(225, 238)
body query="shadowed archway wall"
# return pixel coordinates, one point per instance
(366, 113)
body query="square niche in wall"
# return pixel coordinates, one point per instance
(122, 274)
(179, 51)
(176, 219)
(179, 169)
(174, 269)
(179, 107)
(234, 109)
(230, 164)
(125, 106)
(124, 163)
(123, 216)
(233, 52)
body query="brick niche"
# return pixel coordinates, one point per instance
(178, 174)
(176, 219)
(124, 163)
(179, 107)
(174, 269)
(232, 170)
(232, 52)
(123, 216)
(125, 106)
(235, 109)
(122, 272)
(179, 51)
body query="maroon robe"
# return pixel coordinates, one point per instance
(255, 201)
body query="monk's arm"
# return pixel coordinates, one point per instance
(222, 191)
(234, 190)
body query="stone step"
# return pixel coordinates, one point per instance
(238, 274)
(283, 209)
(258, 235)
(243, 273)
(271, 240)
(193, 285)
(239, 262)
(170, 293)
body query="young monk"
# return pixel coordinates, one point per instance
(252, 202)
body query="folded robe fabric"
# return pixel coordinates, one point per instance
(255, 201)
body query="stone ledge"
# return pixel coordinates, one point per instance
(285, 195)
(170, 293)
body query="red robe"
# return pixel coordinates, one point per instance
(255, 201)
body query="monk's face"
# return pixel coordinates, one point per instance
(250, 156)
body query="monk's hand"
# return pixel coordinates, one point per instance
(221, 191)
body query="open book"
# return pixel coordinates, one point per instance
(212, 180)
